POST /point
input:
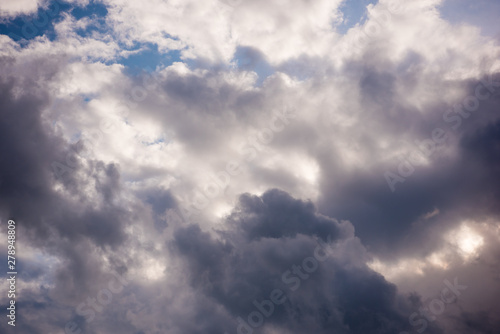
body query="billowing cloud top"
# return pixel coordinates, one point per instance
(234, 166)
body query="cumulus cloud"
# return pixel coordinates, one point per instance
(277, 243)
(268, 173)
(13, 8)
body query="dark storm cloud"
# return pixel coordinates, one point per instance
(479, 322)
(55, 224)
(28, 153)
(278, 215)
(267, 236)
(462, 184)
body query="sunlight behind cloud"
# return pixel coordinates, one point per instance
(467, 240)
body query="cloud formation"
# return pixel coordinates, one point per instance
(263, 172)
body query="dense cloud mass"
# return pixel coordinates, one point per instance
(275, 248)
(234, 166)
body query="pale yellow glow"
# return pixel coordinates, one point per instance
(466, 240)
(438, 260)
(309, 170)
(222, 210)
(153, 269)
(392, 270)
(463, 241)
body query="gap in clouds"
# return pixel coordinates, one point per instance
(484, 14)
(354, 12)
(251, 59)
(148, 58)
(28, 27)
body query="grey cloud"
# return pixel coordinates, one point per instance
(464, 183)
(51, 223)
(356, 111)
(269, 234)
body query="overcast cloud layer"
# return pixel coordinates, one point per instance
(264, 166)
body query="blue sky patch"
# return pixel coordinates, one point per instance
(27, 27)
(30, 26)
(250, 59)
(92, 9)
(149, 58)
(480, 13)
(354, 12)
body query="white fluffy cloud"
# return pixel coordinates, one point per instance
(213, 29)
(13, 8)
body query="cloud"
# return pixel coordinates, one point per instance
(213, 29)
(11, 8)
(169, 176)
(269, 234)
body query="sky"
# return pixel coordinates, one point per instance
(236, 166)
